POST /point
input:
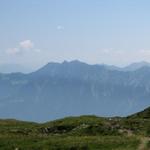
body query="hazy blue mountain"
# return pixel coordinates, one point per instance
(112, 67)
(9, 68)
(131, 67)
(137, 65)
(73, 88)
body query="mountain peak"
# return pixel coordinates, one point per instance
(136, 66)
(73, 62)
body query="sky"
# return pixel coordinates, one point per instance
(35, 32)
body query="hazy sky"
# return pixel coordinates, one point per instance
(34, 32)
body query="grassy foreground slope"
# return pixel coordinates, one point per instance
(78, 133)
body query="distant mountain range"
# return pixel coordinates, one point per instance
(131, 67)
(12, 68)
(9, 68)
(75, 88)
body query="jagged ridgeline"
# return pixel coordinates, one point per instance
(73, 88)
(78, 133)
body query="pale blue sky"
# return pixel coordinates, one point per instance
(34, 32)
